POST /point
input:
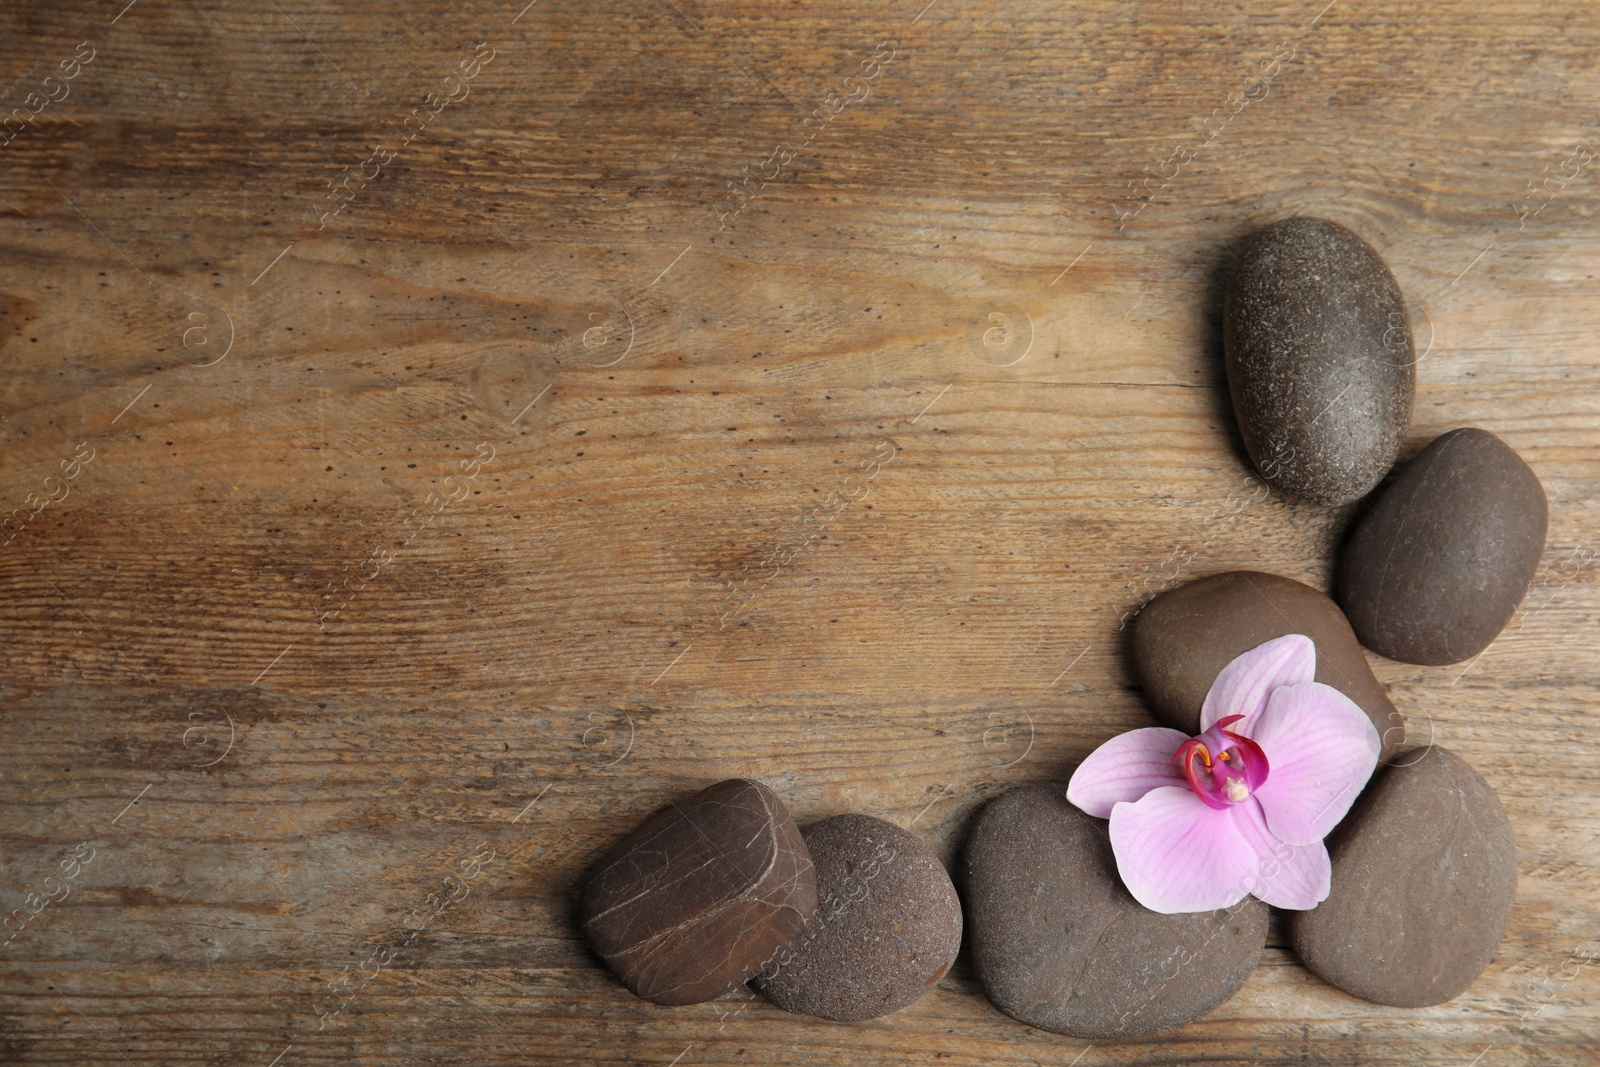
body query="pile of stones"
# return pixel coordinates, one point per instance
(854, 918)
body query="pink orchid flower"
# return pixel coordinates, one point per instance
(1198, 823)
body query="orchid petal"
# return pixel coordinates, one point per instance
(1175, 854)
(1297, 877)
(1321, 749)
(1124, 769)
(1242, 687)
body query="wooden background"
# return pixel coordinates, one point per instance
(277, 666)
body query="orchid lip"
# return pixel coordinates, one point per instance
(1222, 767)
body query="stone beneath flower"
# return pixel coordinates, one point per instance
(1059, 944)
(1183, 638)
(1424, 881)
(1241, 808)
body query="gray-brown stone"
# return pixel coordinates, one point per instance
(1424, 878)
(888, 924)
(1058, 942)
(1438, 566)
(699, 898)
(1183, 638)
(1319, 359)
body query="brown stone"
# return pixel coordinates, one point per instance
(1320, 360)
(1058, 942)
(888, 924)
(1438, 566)
(699, 898)
(1183, 638)
(1424, 877)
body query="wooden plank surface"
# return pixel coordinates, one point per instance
(355, 545)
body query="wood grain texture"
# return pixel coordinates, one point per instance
(279, 665)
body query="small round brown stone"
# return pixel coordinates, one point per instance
(700, 897)
(1319, 359)
(888, 924)
(1059, 943)
(1183, 638)
(1438, 566)
(1424, 877)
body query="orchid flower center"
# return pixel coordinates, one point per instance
(1222, 767)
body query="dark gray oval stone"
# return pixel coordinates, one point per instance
(1424, 876)
(888, 924)
(1183, 638)
(1319, 358)
(699, 898)
(1059, 943)
(1438, 566)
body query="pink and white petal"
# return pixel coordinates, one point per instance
(1321, 749)
(1296, 877)
(1124, 769)
(1242, 687)
(1176, 854)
